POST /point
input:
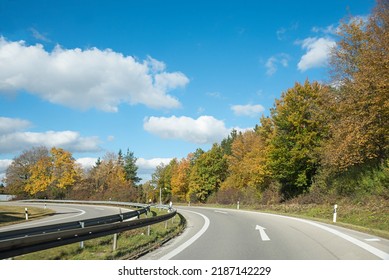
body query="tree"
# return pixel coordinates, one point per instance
(247, 162)
(162, 176)
(180, 178)
(360, 63)
(207, 174)
(130, 167)
(298, 133)
(41, 176)
(65, 171)
(19, 172)
(52, 174)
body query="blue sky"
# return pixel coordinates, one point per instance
(160, 78)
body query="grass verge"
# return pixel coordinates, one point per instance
(16, 214)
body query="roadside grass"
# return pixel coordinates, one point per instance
(16, 214)
(130, 244)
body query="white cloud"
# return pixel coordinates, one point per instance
(4, 163)
(147, 166)
(330, 29)
(69, 140)
(8, 125)
(85, 79)
(203, 130)
(248, 110)
(13, 139)
(86, 162)
(318, 50)
(274, 61)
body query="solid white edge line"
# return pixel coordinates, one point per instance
(189, 242)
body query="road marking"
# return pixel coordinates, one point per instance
(189, 242)
(373, 250)
(372, 239)
(262, 232)
(222, 212)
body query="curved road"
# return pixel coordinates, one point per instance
(225, 234)
(64, 213)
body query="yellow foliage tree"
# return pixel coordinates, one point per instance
(180, 178)
(41, 176)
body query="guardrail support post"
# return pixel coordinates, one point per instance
(26, 213)
(148, 230)
(82, 242)
(115, 241)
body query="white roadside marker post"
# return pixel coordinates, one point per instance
(334, 218)
(26, 213)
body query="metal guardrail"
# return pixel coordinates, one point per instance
(18, 242)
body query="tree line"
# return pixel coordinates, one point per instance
(55, 174)
(319, 140)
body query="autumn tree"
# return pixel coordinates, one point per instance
(19, 172)
(247, 167)
(360, 63)
(41, 176)
(65, 171)
(180, 178)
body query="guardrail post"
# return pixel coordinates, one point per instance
(82, 224)
(115, 240)
(148, 230)
(26, 213)
(334, 217)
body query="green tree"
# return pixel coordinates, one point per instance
(131, 168)
(207, 174)
(293, 151)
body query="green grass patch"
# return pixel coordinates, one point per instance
(16, 214)
(130, 244)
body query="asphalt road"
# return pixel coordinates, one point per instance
(223, 234)
(64, 213)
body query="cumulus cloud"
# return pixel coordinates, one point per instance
(203, 130)
(147, 166)
(8, 125)
(248, 110)
(14, 139)
(86, 162)
(274, 61)
(318, 50)
(84, 79)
